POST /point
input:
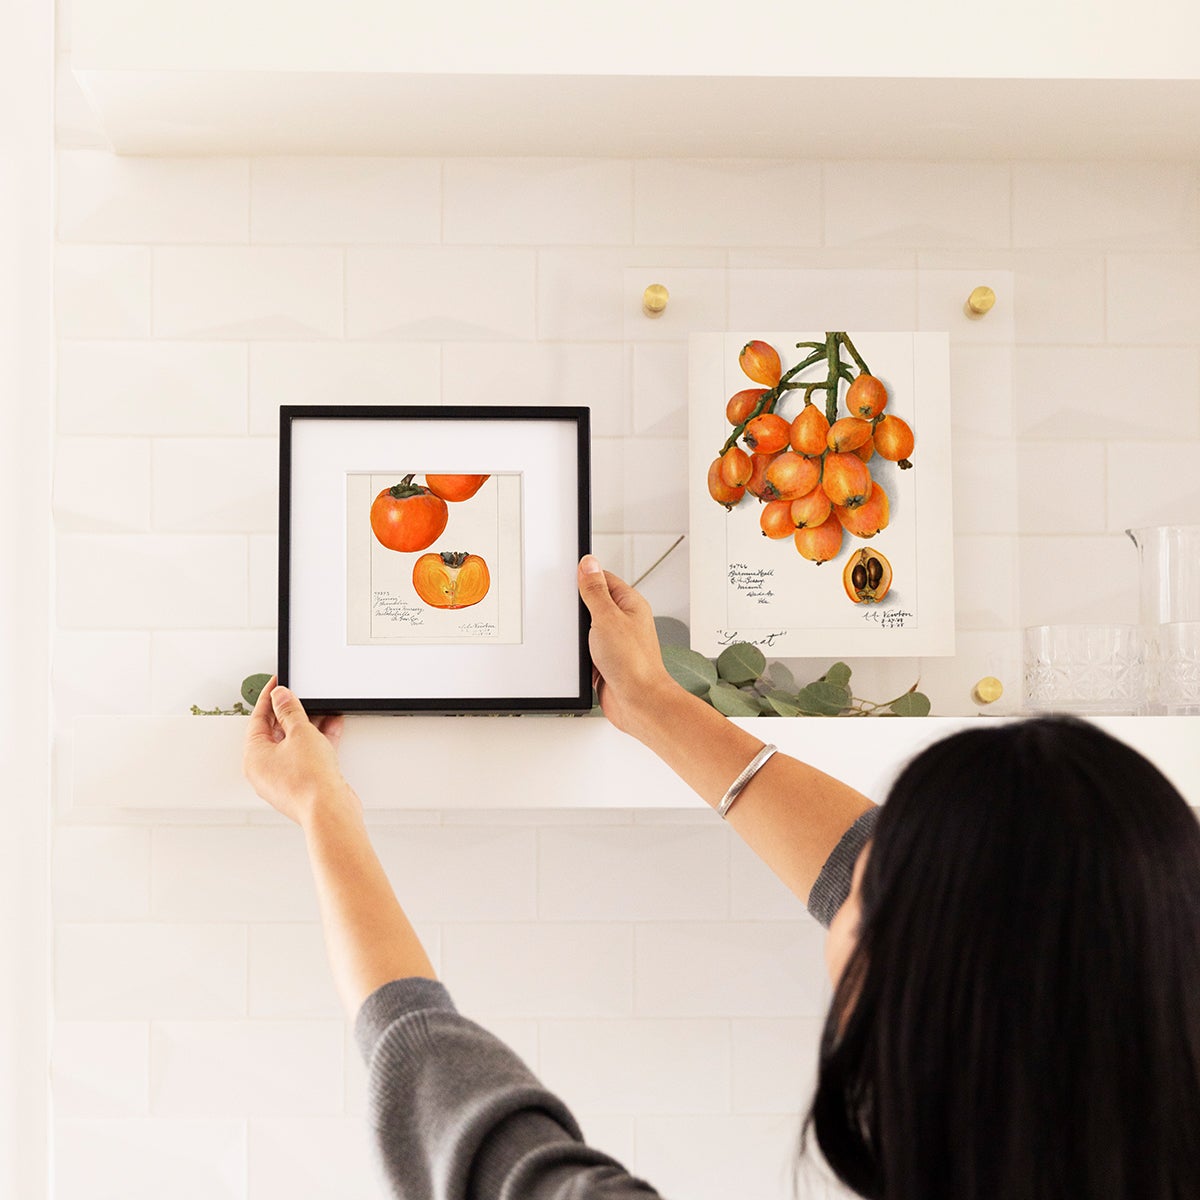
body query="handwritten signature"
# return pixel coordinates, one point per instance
(888, 618)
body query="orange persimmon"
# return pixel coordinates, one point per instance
(451, 579)
(407, 517)
(455, 487)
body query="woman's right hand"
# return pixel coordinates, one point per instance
(627, 665)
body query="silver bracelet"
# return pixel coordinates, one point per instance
(736, 787)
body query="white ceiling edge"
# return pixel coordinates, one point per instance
(244, 112)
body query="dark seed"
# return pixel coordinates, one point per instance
(874, 571)
(858, 577)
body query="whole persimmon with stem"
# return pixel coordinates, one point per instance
(407, 517)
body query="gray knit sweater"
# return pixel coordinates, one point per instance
(458, 1116)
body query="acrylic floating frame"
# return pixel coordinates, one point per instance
(452, 591)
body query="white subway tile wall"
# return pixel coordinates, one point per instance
(645, 964)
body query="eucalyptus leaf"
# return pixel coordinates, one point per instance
(252, 687)
(783, 703)
(911, 704)
(823, 699)
(731, 701)
(741, 663)
(672, 632)
(838, 674)
(781, 678)
(691, 670)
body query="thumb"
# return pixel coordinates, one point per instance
(593, 586)
(289, 712)
(625, 596)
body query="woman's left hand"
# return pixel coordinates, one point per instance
(291, 761)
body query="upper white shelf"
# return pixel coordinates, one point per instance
(427, 763)
(538, 77)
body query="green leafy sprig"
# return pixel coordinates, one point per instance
(739, 683)
(252, 687)
(238, 710)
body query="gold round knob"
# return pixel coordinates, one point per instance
(988, 690)
(654, 300)
(980, 301)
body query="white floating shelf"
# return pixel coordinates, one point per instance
(199, 112)
(535, 762)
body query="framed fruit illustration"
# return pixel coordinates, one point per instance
(820, 493)
(427, 558)
(434, 558)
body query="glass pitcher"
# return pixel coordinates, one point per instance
(1169, 612)
(1170, 573)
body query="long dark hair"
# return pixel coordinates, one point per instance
(1020, 1018)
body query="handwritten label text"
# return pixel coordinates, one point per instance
(752, 582)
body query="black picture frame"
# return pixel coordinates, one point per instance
(327, 455)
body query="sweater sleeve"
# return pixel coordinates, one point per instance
(457, 1115)
(833, 883)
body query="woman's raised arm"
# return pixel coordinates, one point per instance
(790, 814)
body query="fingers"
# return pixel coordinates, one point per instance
(593, 586)
(332, 727)
(289, 712)
(262, 718)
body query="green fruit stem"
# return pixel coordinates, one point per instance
(833, 359)
(767, 401)
(844, 338)
(405, 489)
(831, 351)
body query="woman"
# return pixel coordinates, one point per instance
(1016, 957)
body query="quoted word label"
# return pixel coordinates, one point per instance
(727, 637)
